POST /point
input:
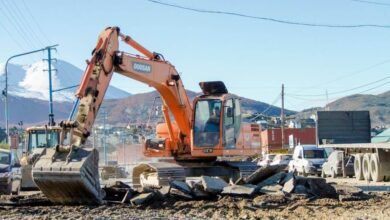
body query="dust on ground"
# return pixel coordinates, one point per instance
(35, 206)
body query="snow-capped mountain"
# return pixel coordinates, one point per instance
(31, 81)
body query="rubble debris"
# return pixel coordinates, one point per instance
(350, 193)
(181, 186)
(127, 197)
(199, 193)
(118, 191)
(286, 178)
(193, 181)
(272, 180)
(142, 198)
(180, 194)
(240, 190)
(213, 184)
(318, 187)
(300, 189)
(263, 173)
(272, 190)
(164, 191)
(289, 186)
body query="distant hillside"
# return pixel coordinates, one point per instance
(137, 108)
(132, 109)
(378, 105)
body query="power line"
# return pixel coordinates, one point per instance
(269, 107)
(372, 2)
(342, 91)
(267, 18)
(35, 22)
(25, 23)
(362, 70)
(13, 21)
(11, 36)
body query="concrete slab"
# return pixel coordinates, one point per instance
(263, 173)
(289, 186)
(213, 184)
(240, 190)
(272, 190)
(180, 185)
(142, 198)
(272, 180)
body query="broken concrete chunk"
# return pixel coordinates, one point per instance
(263, 173)
(240, 190)
(142, 198)
(193, 181)
(199, 193)
(318, 187)
(350, 193)
(127, 196)
(286, 178)
(182, 186)
(300, 189)
(272, 190)
(164, 191)
(272, 180)
(213, 184)
(180, 194)
(289, 186)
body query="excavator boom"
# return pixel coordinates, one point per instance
(69, 173)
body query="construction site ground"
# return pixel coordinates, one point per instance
(35, 206)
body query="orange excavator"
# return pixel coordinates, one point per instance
(199, 136)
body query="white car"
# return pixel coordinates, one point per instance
(307, 159)
(281, 159)
(267, 159)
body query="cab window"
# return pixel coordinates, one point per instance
(207, 122)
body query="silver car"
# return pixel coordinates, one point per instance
(333, 166)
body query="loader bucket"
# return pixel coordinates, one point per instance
(72, 182)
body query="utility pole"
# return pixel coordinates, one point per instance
(5, 91)
(104, 136)
(124, 149)
(51, 114)
(282, 116)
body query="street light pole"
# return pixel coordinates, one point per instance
(5, 91)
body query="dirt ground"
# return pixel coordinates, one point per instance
(259, 207)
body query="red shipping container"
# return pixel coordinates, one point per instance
(272, 138)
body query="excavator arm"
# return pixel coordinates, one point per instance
(69, 174)
(152, 70)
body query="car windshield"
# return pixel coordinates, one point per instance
(271, 156)
(286, 157)
(314, 154)
(4, 158)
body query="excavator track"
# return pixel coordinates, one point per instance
(69, 178)
(162, 173)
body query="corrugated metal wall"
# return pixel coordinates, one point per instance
(341, 127)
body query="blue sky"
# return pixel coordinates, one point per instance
(252, 57)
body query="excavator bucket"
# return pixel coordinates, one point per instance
(69, 178)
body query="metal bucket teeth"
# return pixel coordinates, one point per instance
(73, 182)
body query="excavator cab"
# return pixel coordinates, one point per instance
(217, 119)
